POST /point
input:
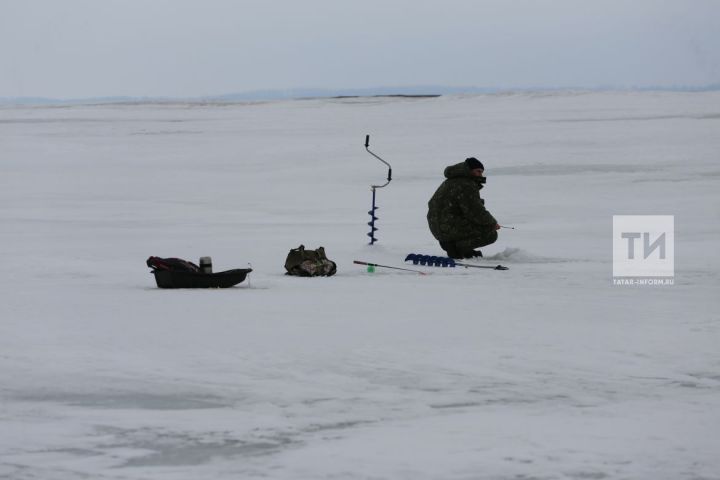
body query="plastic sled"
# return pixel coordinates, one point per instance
(179, 279)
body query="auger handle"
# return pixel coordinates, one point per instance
(389, 176)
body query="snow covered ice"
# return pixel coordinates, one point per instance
(545, 371)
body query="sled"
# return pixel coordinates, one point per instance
(179, 279)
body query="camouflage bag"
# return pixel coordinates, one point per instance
(309, 263)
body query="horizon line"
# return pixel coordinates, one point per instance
(318, 93)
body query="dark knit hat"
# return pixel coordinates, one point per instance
(473, 163)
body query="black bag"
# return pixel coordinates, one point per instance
(171, 264)
(309, 263)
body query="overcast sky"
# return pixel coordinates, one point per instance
(85, 48)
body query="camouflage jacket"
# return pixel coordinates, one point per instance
(456, 210)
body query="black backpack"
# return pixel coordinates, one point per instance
(309, 263)
(171, 264)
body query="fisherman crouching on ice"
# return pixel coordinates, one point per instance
(457, 215)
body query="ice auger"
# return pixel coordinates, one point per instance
(436, 261)
(373, 229)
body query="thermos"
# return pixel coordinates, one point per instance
(206, 264)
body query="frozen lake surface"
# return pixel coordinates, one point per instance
(544, 371)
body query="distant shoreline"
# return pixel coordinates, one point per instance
(313, 94)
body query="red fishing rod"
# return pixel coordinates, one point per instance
(387, 266)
